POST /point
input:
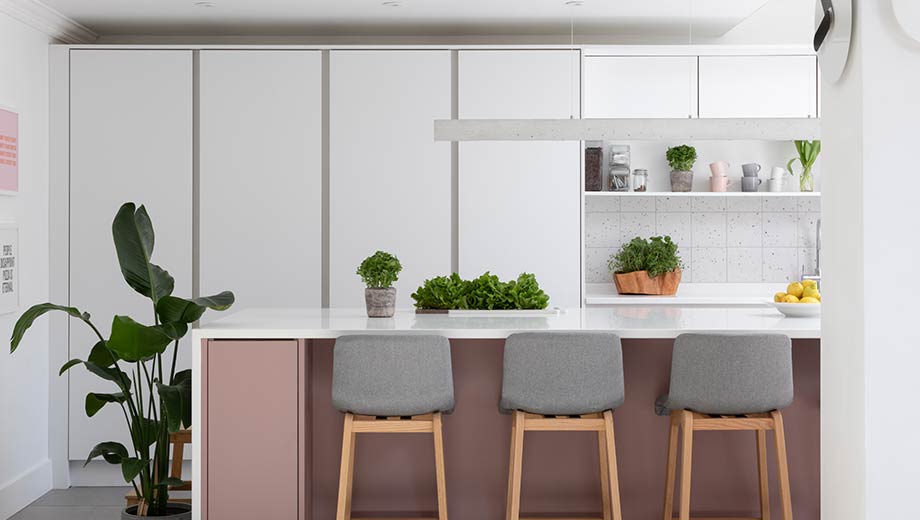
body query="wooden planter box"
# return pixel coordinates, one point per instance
(639, 282)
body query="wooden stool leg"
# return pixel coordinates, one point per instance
(686, 463)
(178, 455)
(439, 466)
(346, 470)
(613, 479)
(763, 474)
(782, 464)
(671, 469)
(514, 469)
(605, 475)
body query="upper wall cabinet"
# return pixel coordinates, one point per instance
(519, 201)
(640, 86)
(261, 176)
(758, 86)
(389, 181)
(130, 140)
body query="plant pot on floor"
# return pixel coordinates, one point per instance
(639, 282)
(176, 511)
(381, 303)
(681, 181)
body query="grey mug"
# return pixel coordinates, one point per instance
(750, 183)
(750, 169)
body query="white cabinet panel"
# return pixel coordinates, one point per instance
(390, 182)
(131, 140)
(519, 201)
(261, 176)
(640, 86)
(758, 86)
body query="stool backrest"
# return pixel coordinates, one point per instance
(731, 374)
(562, 373)
(390, 375)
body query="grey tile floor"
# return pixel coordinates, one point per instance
(84, 503)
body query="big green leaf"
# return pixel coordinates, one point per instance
(113, 374)
(145, 432)
(176, 398)
(134, 241)
(102, 355)
(183, 380)
(25, 321)
(95, 402)
(113, 452)
(175, 330)
(133, 341)
(172, 309)
(131, 467)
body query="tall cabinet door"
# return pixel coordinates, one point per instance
(389, 181)
(519, 208)
(261, 176)
(130, 140)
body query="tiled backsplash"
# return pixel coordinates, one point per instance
(721, 239)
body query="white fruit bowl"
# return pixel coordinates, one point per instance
(798, 310)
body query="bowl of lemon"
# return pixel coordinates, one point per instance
(801, 300)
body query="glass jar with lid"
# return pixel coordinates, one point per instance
(640, 180)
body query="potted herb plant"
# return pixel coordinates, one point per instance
(646, 267)
(808, 154)
(681, 159)
(378, 272)
(155, 399)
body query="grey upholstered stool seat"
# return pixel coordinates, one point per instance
(729, 374)
(392, 375)
(550, 373)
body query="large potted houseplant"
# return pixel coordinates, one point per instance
(154, 398)
(378, 272)
(808, 153)
(646, 267)
(681, 159)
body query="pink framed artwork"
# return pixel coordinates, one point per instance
(9, 152)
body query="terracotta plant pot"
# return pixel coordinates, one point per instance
(381, 303)
(639, 282)
(681, 181)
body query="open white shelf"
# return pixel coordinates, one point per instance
(701, 194)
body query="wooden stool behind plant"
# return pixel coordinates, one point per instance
(178, 441)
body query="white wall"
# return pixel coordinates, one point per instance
(777, 22)
(25, 469)
(870, 464)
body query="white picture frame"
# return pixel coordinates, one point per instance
(11, 175)
(9, 268)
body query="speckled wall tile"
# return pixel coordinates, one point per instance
(634, 225)
(744, 229)
(780, 264)
(596, 264)
(675, 225)
(603, 230)
(745, 265)
(602, 204)
(808, 204)
(779, 204)
(686, 258)
(744, 204)
(637, 204)
(708, 203)
(808, 257)
(708, 264)
(709, 230)
(779, 229)
(807, 229)
(673, 204)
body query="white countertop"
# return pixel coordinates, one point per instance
(659, 321)
(724, 294)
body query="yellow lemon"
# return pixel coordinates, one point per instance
(795, 289)
(791, 298)
(809, 283)
(778, 297)
(809, 299)
(811, 292)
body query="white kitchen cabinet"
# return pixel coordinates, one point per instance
(261, 177)
(389, 181)
(130, 140)
(758, 86)
(519, 201)
(640, 86)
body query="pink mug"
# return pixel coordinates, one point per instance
(719, 169)
(719, 183)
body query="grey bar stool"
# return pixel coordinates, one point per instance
(391, 384)
(728, 382)
(563, 382)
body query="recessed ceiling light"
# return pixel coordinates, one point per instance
(390, 4)
(574, 3)
(205, 4)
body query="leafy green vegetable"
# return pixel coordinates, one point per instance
(681, 158)
(487, 292)
(379, 270)
(657, 255)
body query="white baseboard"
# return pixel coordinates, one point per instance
(24, 489)
(99, 473)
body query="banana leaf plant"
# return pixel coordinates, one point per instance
(154, 398)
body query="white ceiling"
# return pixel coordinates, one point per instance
(647, 18)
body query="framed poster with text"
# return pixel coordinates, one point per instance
(9, 268)
(9, 151)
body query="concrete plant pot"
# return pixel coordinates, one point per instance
(639, 282)
(681, 181)
(176, 511)
(381, 303)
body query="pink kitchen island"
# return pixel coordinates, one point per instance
(267, 441)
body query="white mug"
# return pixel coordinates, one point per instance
(775, 185)
(778, 174)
